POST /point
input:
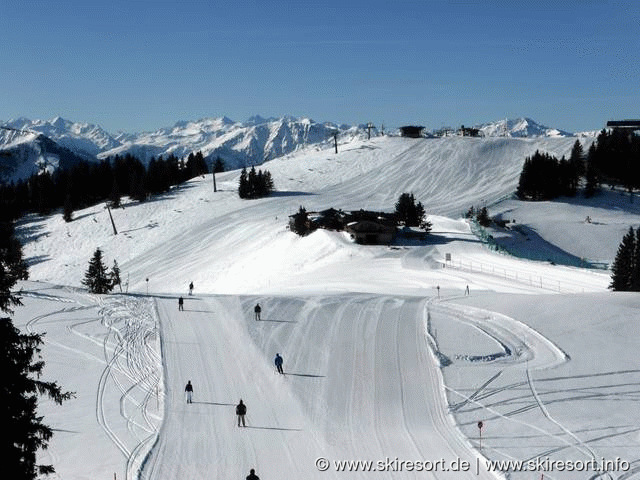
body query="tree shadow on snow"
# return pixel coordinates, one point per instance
(290, 193)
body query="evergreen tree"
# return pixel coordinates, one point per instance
(96, 278)
(576, 165)
(483, 217)
(67, 209)
(114, 276)
(23, 431)
(592, 183)
(243, 185)
(634, 280)
(622, 268)
(301, 224)
(114, 196)
(540, 178)
(12, 267)
(218, 165)
(410, 213)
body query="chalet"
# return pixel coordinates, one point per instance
(411, 131)
(369, 232)
(627, 125)
(469, 131)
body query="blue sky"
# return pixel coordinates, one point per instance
(140, 65)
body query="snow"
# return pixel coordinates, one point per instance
(385, 355)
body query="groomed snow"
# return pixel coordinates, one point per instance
(385, 355)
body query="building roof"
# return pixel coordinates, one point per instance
(624, 124)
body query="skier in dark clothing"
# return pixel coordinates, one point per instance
(257, 311)
(191, 288)
(189, 391)
(241, 411)
(278, 361)
(180, 304)
(252, 475)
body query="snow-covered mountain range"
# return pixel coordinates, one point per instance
(520, 127)
(238, 143)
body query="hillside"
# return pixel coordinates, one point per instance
(385, 355)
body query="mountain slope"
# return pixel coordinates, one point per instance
(520, 127)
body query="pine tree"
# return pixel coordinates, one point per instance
(67, 209)
(634, 277)
(410, 213)
(218, 165)
(23, 431)
(243, 184)
(114, 196)
(576, 165)
(592, 183)
(483, 217)
(301, 222)
(622, 268)
(96, 278)
(114, 276)
(12, 267)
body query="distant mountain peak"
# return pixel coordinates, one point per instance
(520, 127)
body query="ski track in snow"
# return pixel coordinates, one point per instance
(369, 371)
(131, 364)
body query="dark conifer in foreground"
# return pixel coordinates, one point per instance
(12, 267)
(23, 432)
(625, 264)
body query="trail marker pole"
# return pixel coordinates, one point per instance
(480, 425)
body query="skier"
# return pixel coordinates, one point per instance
(189, 391)
(466, 292)
(278, 362)
(252, 475)
(241, 411)
(257, 311)
(191, 288)
(180, 304)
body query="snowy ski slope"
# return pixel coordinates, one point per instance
(386, 357)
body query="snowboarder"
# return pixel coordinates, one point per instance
(278, 361)
(257, 311)
(189, 391)
(180, 304)
(252, 475)
(241, 411)
(191, 288)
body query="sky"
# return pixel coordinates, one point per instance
(138, 65)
